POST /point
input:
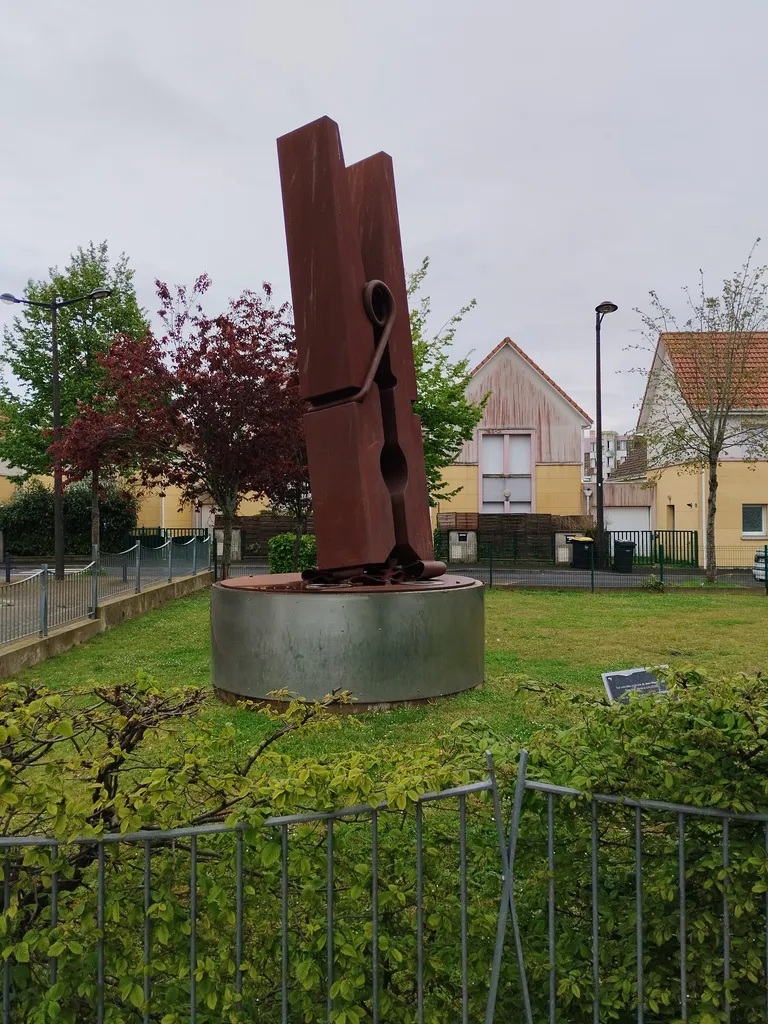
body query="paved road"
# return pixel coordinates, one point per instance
(565, 578)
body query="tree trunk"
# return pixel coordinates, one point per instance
(711, 512)
(95, 512)
(299, 533)
(227, 520)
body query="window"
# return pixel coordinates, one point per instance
(753, 520)
(506, 469)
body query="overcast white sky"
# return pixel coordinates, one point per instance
(549, 154)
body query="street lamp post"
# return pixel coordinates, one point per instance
(58, 490)
(600, 312)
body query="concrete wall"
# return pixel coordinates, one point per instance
(30, 652)
(154, 512)
(7, 488)
(740, 484)
(558, 490)
(9, 482)
(467, 498)
(252, 506)
(158, 510)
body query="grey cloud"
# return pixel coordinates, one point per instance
(548, 155)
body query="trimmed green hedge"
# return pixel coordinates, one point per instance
(703, 743)
(281, 553)
(27, 519)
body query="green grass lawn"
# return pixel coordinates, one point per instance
(566, 637)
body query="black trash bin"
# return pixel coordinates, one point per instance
(582, 546)
(623, 555)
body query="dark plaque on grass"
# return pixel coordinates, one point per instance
(620, 684)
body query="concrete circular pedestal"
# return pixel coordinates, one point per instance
(387, 645)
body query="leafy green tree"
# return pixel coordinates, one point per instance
(84, 331)
(448, 419)
(27, 519)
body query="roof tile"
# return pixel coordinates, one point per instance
(688, 352)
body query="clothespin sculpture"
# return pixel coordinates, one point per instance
(356, 371)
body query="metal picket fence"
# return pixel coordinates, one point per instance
(648, 816)
(119, 573)
(680, 547)
(29, 607)
(39, 602)
(738, 569)
(131, 858)
(71, 598)
(141, 566)
(20, 614)
(165, 532)
(111, 855)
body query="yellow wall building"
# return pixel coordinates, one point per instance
(7, 487)
(155, 507)
(526, 452)
(166, 511)
(742, 504)
(679, 498)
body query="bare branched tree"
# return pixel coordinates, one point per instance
(707, 386)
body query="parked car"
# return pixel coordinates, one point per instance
(758, 569)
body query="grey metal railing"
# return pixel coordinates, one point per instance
(71, 598)
(202, 554)
(21, 608)
(679, 815)
(134, 853)
(39, 602)
(156, 563)
(288, 828)
(140, 566)
(119, 571)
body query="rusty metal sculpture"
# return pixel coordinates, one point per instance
(378, 617)
(364, 447)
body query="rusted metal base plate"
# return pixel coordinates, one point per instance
(388, 645)
(289, 582)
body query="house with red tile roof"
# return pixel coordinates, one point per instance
(680, 492)
(526, 452)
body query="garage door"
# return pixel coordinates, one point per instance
(637, 517)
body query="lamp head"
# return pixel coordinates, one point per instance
(9, 299)
(606, 307)
(100, 293)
